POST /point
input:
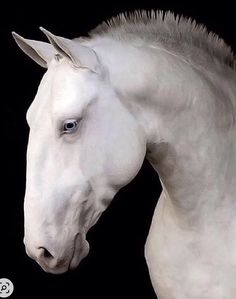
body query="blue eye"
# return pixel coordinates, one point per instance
(70, 126)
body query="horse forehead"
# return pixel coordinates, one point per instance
(62, 86)
(63, 91)
(65, 80)
(69, 84)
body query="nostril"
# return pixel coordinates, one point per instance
(46, 259)
(45, 253)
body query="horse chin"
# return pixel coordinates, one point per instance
(56, 271)
(81, 250)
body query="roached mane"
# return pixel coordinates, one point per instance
(174, 32)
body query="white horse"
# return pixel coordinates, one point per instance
(149, 85)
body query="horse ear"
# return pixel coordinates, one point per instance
(40, 52)
(80, 55)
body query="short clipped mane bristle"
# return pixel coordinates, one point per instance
(176, 32)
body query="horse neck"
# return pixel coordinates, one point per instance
(188, 114)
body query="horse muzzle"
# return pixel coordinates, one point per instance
(57, 260)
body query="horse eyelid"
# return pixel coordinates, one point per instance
(63, 132)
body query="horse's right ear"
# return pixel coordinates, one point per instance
(40, 52)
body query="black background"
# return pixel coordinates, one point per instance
(115, 267)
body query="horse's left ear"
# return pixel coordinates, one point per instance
(81, 56)
(40, 52)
